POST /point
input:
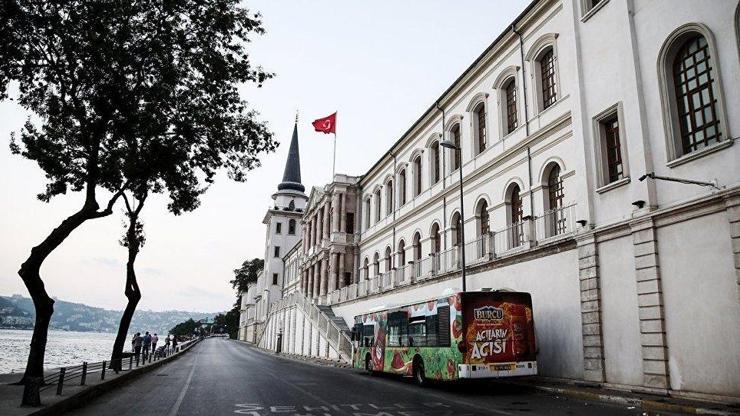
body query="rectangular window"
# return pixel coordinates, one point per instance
(398, 329)
(350, 223)
(443, 326)
(291, 227)
(547, 73)
(368, 335)
(274, 278)
(377, 206)
(278, 228)
(277, 251)
(418, 332)
(432, 330)
(511, 120)
(613, 148)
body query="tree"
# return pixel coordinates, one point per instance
(229, 321)
(246, 274)
(188, 327)
(111, 81)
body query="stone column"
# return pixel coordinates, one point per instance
(323, 275)
(333, 281)
(313, 231)
(343, 212)
(732, 202)
(316, 279)
(340, 272)
(311, 278)
(335, 213)
(326, 221)
(319, 226)
(650, 302)
(591, 332)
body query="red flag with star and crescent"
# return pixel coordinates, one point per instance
(327, 124)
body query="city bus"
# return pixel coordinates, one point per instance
(469, 335)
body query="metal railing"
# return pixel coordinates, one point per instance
(79, 375)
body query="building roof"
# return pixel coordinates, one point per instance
(292, 173)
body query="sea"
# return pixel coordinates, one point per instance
(63, 348)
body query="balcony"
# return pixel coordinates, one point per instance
(554, 225)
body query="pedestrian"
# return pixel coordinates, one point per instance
(155, 339)
(136, 342)
(147, 344)
(174, 343)
(167, 344)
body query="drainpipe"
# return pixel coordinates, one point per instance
(393, 210)
(526, 117)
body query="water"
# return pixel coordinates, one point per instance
(62, 348)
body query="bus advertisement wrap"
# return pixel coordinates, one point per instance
(499, 329)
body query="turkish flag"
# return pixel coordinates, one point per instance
(327, 124)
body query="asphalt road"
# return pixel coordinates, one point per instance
(222, 377)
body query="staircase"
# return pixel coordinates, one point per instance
(332, 338)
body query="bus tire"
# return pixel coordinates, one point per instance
(369, 365)
(420, 376)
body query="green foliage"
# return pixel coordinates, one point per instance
(136, 95)
(247, 274)
(229, 321)
(188, 327)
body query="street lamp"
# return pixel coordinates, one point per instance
(448, 144)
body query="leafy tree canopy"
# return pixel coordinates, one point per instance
(247, 274)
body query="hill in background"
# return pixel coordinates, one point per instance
(17, 312)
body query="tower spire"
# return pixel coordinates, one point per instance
(292, 173)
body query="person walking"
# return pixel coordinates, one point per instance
(174, 343)
(136, 343)
(155, 339)
(147, 344)
(167, 344)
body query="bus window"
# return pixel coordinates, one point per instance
(443, 326)
(397, 329)
(431, 330)
(417, 332)
(368, 335)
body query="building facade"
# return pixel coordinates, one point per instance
(595, 141)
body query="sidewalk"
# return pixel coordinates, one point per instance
(73, 394)
(646, 402)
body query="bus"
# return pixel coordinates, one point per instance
(468, 335)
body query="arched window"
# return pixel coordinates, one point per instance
(367, 213)
(555, 216)
(434, 164)
(511, 121)
(483, 220)
(479, 120)
(291, 227)
(388, 260)
(376, 264)
(456, 230)
(695, 95)
(455, 138)
(417, 247)
(515, 216)
(417, 175)
(377, 205)
(436, 239)
(366, 268)
(389, 197)
(402, 188)
(401, 253)
(547, 77)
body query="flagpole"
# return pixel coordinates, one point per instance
(334, 161)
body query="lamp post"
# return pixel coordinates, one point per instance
(448, 144)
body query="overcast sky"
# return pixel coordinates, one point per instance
(379, 64)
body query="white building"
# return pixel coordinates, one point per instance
(635, 279)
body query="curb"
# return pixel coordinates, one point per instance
(647, 405)
(81, 398)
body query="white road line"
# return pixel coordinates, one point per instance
(176, 407)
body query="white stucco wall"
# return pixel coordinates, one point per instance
(701, 305)
(620, 320)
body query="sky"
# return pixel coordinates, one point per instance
(380, 64)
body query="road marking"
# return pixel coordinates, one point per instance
(181, 397)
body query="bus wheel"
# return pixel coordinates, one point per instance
(420, 376)
(368, 364)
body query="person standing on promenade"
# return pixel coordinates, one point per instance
(136, 342)
(155, 339)
(167, 344)
(147, 344)
(174, 343)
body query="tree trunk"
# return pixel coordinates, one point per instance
(132, 292)
(43, 304)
